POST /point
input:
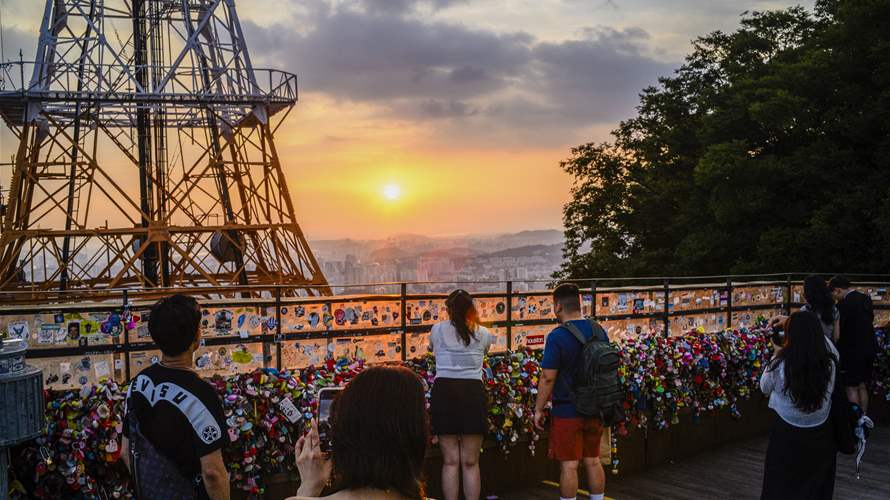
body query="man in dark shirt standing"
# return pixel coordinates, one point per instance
(857, 344)
(179, 413)
(572, 438)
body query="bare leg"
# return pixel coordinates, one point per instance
(863, 397)
(470, 444)
(568, 479)
(596, 477)
(853, 394)
(450, 446)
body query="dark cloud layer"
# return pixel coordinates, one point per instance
(405, 6)
(423, 70)
(355, 56)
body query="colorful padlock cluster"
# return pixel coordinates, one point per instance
(881, 380)
(266, 410)
(699, 372)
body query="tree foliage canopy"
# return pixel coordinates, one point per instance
(767, 151)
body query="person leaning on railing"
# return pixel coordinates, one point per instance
(378, 441)
(458, 401)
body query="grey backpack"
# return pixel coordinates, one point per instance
(596, 391)
(154, 475)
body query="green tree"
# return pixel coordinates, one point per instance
(767, 151)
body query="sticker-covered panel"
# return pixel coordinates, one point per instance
(229, 359)
(372, 348)
(72, 372)
(713, 322)
(297, 317)
(757, 295)
(243, 322)
(64, 329)
(614, 303)
(747, 319)
(532, 336)
(685, 300)
(529, 307)
(298, 354)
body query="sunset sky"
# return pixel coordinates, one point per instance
(445, 117)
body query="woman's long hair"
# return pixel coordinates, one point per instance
(818, 296)
(807, 361)
(379, 432)
(463, 315)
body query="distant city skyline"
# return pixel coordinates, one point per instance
(526, 257)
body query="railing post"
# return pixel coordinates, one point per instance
(729, 302)
(667, 314)
(278, 328)
(509, 299)
(788, 295)
(404, 321)
(593, 299)
(126, 318)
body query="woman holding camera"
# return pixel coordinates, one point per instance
(458, 403)
(801, 456)
(378, 441)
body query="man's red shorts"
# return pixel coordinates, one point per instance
(574, 438)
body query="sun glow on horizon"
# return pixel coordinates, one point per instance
(392, 192)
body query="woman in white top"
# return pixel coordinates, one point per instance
(801, 456)
(458, 403)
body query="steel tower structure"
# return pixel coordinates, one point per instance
(146, 156)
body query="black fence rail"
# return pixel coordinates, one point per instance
(79, 343)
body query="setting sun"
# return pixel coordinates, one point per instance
(392, 191)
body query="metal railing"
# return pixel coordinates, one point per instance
(87, 341)
(66, 81)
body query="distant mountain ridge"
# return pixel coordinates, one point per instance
(406, 246)
(529, 251)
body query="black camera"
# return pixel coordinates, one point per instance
(778, 336)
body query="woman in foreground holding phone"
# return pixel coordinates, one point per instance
(378, 441)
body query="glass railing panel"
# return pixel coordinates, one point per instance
(747, 319)
(296, 354)
(72, 372)
(626, 302)
(757, 295)
(371, 348)
(228, 359)
(64, 328)
(710, 322)
(531, 336)
(241, 321)
(533, 307)
(687, 300)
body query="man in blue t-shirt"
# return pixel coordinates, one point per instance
(572, 438)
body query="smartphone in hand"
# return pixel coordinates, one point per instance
(326, 397)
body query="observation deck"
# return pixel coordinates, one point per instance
(713, 452)
(179, 97)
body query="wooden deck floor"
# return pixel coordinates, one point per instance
(736, 472)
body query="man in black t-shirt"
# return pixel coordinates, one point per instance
(179, 413)
(857, 344)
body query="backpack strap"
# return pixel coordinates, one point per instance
(135, 447)
(598, 332)
(575, 331)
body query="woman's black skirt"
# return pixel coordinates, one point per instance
(800, 462)
(458, 406)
